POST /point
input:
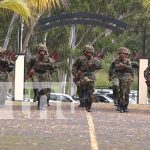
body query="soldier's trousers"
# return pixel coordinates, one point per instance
(87, 89)
(46, 92)
(35, 90)
(116, 94)
(3, 93)
(127, 94)
(123, 91)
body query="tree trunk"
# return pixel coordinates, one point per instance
(14, 18)
(45, 38)
(21, 35)
(29, 33)
(72, 41)
(64, 83)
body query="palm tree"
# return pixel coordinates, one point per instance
(34, 10)
(146, 3)
(17, 6)
(37, 8)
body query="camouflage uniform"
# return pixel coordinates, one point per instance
(83, 69)
(41, 74)
(119, 71)
(147, 78)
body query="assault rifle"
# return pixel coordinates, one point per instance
(99, 55)
(9, 55)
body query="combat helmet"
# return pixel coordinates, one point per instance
(122, 50)
(88, 48)
(128, 52)
(42, 47)
(1, 50)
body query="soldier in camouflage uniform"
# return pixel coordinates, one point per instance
(147, 78)
(84, 77)
(5, 68)
(118, 70)
(40, 72)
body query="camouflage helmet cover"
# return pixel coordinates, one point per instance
(1, 50)
(42, 47)
(122, 50)
(88, 48)
(128, 51)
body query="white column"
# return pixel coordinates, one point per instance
(142, 85)
(19, 78)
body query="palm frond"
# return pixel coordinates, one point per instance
(146, 3)
(41, 5)
(17, 6)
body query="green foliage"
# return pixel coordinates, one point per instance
(131, 12)
(102, 80)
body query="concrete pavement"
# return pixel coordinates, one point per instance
(67, 127)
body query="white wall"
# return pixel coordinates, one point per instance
(142, 85)
(19, 78)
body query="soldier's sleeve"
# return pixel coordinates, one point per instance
(128, 66)
(111, 69)
(146, 74)
(135, 64)
(77, 64)
(11, 66)
(98, 64)
(51, 63)
(30, 64)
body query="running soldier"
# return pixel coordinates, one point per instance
(84, 76)
(119, 71)
(40, 72)
(6, 66)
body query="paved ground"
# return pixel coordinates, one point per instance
(68, 127)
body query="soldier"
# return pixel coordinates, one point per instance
(40, 71)
(118, 70)
(84, 77)
(147, 78)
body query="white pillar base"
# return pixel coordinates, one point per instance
(19, 78)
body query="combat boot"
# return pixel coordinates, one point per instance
(86, 105)
(48, 104)
(48, 98)
(125, 108)
(89, 107)
(121, 108)
(118, 108)
(115, 102)
(80, 105)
